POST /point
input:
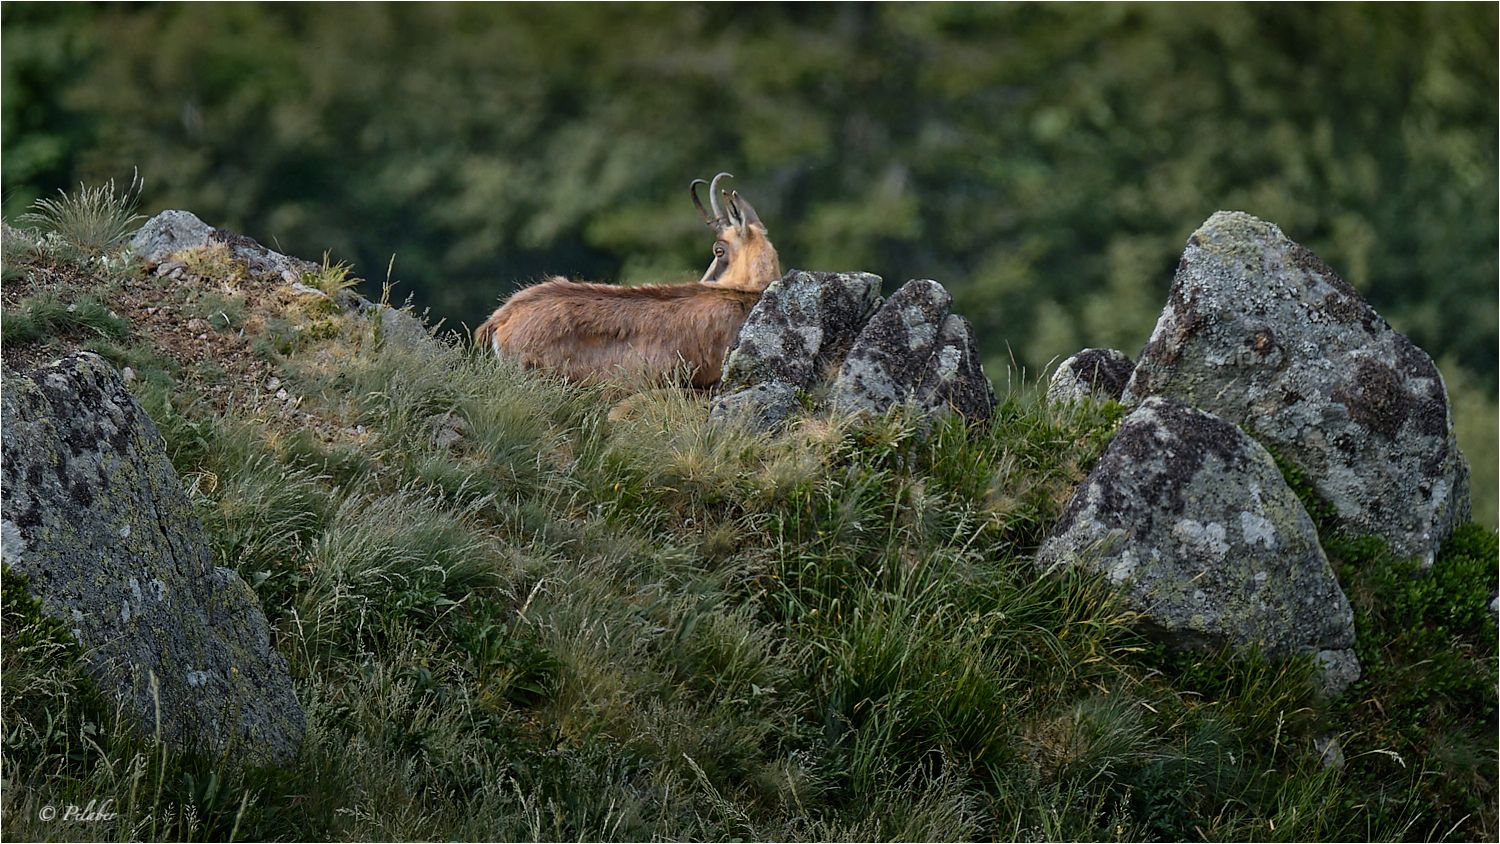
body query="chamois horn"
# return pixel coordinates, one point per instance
(713, 199)
(698, 203)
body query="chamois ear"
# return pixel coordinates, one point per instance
(732, 209)
(746, 212)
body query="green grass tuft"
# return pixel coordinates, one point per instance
(92, 224)
(47, 315)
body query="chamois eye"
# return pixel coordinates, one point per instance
(719, 249)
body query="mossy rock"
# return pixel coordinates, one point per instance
(96, 518)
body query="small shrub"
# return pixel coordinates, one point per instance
(16, 247)
(1428, 692)
(332, 279)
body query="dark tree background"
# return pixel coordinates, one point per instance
(1045, 162)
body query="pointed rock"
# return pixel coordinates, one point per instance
(892, 350)
(954, 379)
(174, 231)
(1260, 332)
(802, 326)
(913, 349)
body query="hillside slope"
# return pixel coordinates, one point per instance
(514, 608)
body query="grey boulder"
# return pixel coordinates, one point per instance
(95, 516)
(173, 231)
(913, 349)
(803, 325)
(1092, 373)
(1260, 332)
(1193, 521)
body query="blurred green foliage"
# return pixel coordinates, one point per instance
(1046, 162)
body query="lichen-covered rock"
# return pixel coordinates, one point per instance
(396, 326)
(892, 350)
(912, 349)
(1194, 521)
(1260, 332)
(802, 326)
(96, 517)
(954, 379)
(1092, 373)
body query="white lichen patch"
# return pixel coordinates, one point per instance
(12, 543)
(812, 336)
(920, 331)
(1257, 529)
(948, 360)
(1204, 539)
(1124, 567)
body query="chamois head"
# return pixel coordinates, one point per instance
(744, 258)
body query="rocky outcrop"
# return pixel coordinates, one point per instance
(912, 349)
(802, 327)
(95, 516)
(173, 231)
(1260, 332)
(1092, 373)
(1194, 522)
(813, 332)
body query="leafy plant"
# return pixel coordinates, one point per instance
(1425, 708)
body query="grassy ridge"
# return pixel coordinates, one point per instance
(514, 608)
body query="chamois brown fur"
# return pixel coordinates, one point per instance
(594, 332)
(601, 331)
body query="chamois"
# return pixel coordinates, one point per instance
(604, 332)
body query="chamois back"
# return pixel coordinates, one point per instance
(592, 332)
